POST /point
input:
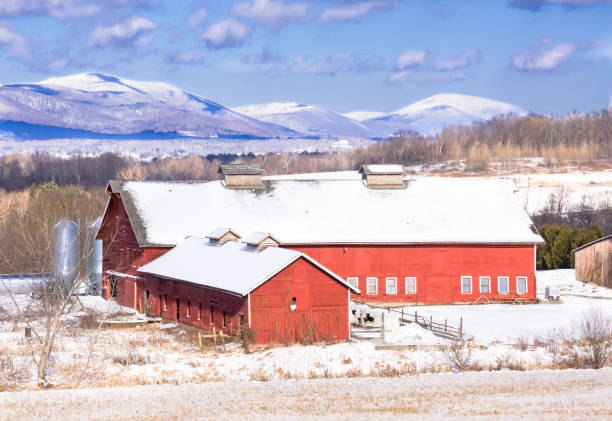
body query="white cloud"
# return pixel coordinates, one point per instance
(64, 9)
(460, 61)
(535, 5)
(413, 77)
(135, 30)
(17, 43)
(271, 12)
(186, 57)
(549, 59)
(329, 66)
(196, 18)
(332, 65)
(355, 10)
(227, 33)
(58, 8)
(410, 58)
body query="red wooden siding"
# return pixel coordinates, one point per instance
(121, 252)
(321, 314)
(322, 306)
(191, 298)
(438, 269)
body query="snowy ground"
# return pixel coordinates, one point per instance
(534, 395)
(161, 354)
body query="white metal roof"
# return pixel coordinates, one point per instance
(219, 232)
(428, 210)
(382, 169)
(257, 237)
(232, 267)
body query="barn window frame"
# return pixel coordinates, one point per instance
(411, 291)
(392, 279)
(165, 303)
(375, 280)
(499, 291)
(199, 311)
(518, 291)
(189, 309)
(353, 280)
(462, 285)
(488, 284)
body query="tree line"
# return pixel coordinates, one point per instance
(574, 139)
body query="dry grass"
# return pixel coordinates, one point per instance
(536, 395)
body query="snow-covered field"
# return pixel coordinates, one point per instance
(532, 395)
(160, 354)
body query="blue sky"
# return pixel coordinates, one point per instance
(549, 56)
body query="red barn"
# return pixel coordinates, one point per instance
(281, 294)
(422, 240)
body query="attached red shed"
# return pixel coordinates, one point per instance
(283, 295)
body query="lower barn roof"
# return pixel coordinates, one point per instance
(232, 267)
(429, 210)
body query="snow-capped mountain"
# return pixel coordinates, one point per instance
(432, 114)
(306, 119)
(363, 115)
(97, 104)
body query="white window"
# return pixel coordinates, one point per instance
(485, 284)
(353, 280)
(391, 285)
(466, 284)
(502, 284)
(521, 285)
(372, 286)
(411, 285)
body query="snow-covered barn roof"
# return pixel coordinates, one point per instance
(382, 169)
(219, 232)
(257, 237)
(429, 210)
(232, 267)
(240, 169)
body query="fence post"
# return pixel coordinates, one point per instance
(461, 327)
(431, 322)
(444, 325)
(402, 314)
(215, 337)
(382, 327)
(200, 340)
(415, 316)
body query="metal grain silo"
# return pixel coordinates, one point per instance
(94, 258)
(66, 252)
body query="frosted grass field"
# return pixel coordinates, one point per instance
(531, 395)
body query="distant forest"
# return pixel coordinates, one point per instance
(574, 139)
(77, 181)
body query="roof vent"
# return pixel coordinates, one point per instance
(259, 241)
(383, 176)
(222, 235)
(241, 176)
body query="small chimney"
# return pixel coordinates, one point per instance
(389, 176)
(241, 176)
(222, 235)
(259, 241)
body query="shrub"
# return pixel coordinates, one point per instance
(459, 355)
(595, 329)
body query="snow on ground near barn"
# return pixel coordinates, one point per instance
(508, 323)
(535, 395)
(159, 354)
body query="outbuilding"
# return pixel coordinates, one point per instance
(282, 295)
(593, 262)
